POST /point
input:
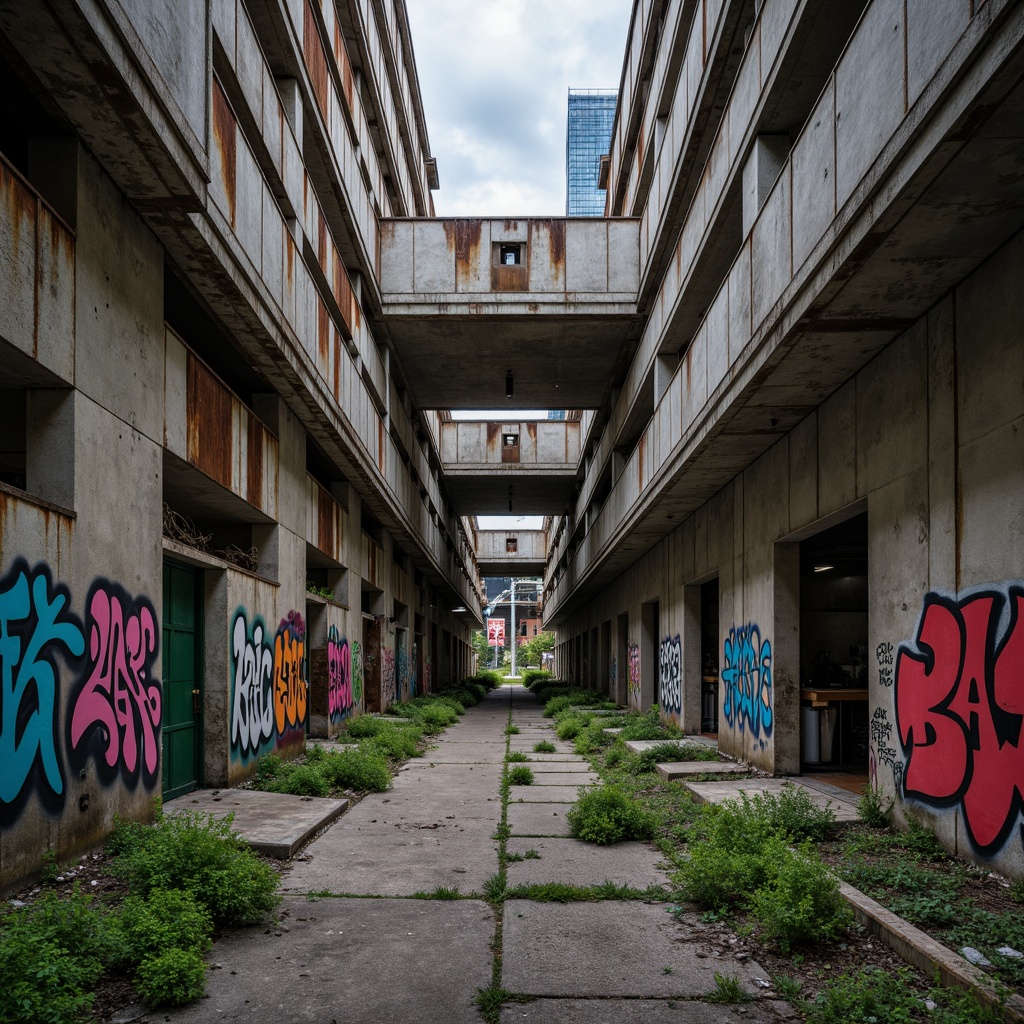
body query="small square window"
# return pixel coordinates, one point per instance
(510, 255)
(511, 545)
(510, 440)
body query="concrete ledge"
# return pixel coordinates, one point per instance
(672, 770)
(274, 824)
(928, 954)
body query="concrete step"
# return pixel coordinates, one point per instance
(672, 770)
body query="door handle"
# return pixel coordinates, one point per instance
(195, 702)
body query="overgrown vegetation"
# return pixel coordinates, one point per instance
(870, 996)
(186, 874)
(745, 859)
(607, 815)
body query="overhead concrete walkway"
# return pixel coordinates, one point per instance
(353, 945)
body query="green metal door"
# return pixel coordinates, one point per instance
(183, 680)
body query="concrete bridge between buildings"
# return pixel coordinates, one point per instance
(514, 467)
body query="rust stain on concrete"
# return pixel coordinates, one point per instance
(225, 134)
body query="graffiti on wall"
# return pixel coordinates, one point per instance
(880, 749)
(387, 677)
(357, 675)
(747, 677)
(114, 706)
(119, 702)
(252, 662)
(290, 690)
(670, 675)
(339, 676)
(959, 697)
(883, 652)
(633, 682)
(269, 682)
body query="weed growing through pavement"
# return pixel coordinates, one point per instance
(544, 747)
(520, 776)
(512, 730)
(728, 989)
(607, 815)
(516, 757)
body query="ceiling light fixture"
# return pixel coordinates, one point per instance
(823, 568)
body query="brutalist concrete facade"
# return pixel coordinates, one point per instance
(200, 418)
(819, 442)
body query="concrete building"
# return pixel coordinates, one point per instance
(788, 511)
(223, 523)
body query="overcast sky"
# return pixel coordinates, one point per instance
(495, 76)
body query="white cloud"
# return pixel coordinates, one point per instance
(495, 76)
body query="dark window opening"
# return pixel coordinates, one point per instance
(510, 255)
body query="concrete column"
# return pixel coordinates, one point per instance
(767, 156)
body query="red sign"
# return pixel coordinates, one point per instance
(495, 632)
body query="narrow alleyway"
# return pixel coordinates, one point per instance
(372, 930)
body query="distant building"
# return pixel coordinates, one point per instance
(588, 138)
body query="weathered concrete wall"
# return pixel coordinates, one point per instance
(928, 439)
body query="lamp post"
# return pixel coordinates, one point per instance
(513, 581)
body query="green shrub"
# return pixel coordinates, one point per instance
(520, 775)
(570, 725)
(607, 815)
(647, 727)
(592, 737)
(873, 809)
(396, 744)
(535, 675)
(800, 900)
(172, 978)
(439, 715)
(41, 982)
(557, 704)
(203, 856)
(165, 919)
(544, 747)
(269, 767)
(361, 770)
(300, 780)
(364, 726)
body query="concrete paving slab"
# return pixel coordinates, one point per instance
(538, 819)
(843, 803)
(564, 756)
(563, 950)
(583, 778)
(274, 824)
(465, 753)
(543, 794)
(375, 961)
(673, 770)
(629, 1011)
(547, 765)
(561, 746)
(396, 859)
(576, 863)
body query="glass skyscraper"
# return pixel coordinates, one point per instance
(588, 138)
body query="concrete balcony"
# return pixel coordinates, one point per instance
(552, 300)
(530, 466)
(37, 253)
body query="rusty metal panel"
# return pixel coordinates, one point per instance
(514, 278)
(316, 60)
(225, 137)
(208, 411)
(254, 462)
(18, 255)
